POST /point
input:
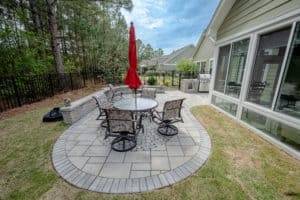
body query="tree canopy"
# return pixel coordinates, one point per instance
(48, 36)
(186, 66)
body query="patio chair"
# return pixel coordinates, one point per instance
(121, 124)
(171, 114)
(148, 93)
(112, 94)
(102, 104)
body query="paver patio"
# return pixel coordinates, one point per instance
(84, 158)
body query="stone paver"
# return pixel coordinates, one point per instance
(84, 158)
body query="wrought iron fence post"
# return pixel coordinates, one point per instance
(16, 91)
(179, 83)
(172, 78)
(51, 84)
(71, 81)
(83, 78)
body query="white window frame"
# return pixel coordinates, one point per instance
(253, 45)
(251, 56)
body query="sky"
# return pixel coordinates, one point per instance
(170, 24)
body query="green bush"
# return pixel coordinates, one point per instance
(151, 80)
(186, 66)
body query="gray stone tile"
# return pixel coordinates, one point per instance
(97, 159)
(116, 170)
(78, 161)
(98, 151)
(90, 137)
(115, 185)
(92, 168)
(176, 161)
(139, 156)
(115, 156)
(190, 150)
(155, 172)
(141, 166)
(175, 151)
(135, 185)
(186, 141)
(122, 184)
(108, 185)
(139, 174)
(143, 184)
(78, 150)
(159, 153)
(159, 163)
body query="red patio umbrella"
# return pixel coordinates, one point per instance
(132, 79)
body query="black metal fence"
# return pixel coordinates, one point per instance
(16, 91)
(169, 79)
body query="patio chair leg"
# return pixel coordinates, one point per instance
(167, 129)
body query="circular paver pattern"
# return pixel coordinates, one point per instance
(84, 158)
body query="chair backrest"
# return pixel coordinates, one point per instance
(172, 109)
(119, 121)
(148, 93)
(102, 102)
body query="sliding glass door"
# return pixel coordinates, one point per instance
(236, 67)
(222, 68)
(265, 72)
(288, 101)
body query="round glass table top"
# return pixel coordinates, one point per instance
(136, 104)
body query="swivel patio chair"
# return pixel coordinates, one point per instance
(122, 126)
(102, 104)
(148, 93)
(112, 94)
(171, 114)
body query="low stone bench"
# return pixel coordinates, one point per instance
(83, 106)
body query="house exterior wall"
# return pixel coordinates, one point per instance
(205, 52)
(246, 14)
(252, 19)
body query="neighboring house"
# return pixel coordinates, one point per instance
(256, 78)
(153, 64)
(204, 53)
(167, 63)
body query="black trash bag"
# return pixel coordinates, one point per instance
(53, 116)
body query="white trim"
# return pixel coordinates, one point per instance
(286, 148)
(283, 65)
(226, 97)
(280, 117)
(277, 22)
(228, 64)
(213, 73)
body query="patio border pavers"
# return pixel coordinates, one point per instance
(81, 179)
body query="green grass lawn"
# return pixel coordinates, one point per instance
(241, 166)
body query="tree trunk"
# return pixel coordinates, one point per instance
(34, 15)
(55, 43)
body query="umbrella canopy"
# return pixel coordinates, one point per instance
(132, 79)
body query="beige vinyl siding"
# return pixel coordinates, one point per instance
(245, 15)
(205, 51)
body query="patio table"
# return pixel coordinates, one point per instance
(137, 104)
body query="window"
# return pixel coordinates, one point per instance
(273, 128)
(265, 73)
(288, 101)
(225, 105)
(229, 76)
(202, 67)
(236, 67)
(222, 68)
(211, 63)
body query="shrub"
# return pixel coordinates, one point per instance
(186, 66)
(151, 80)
